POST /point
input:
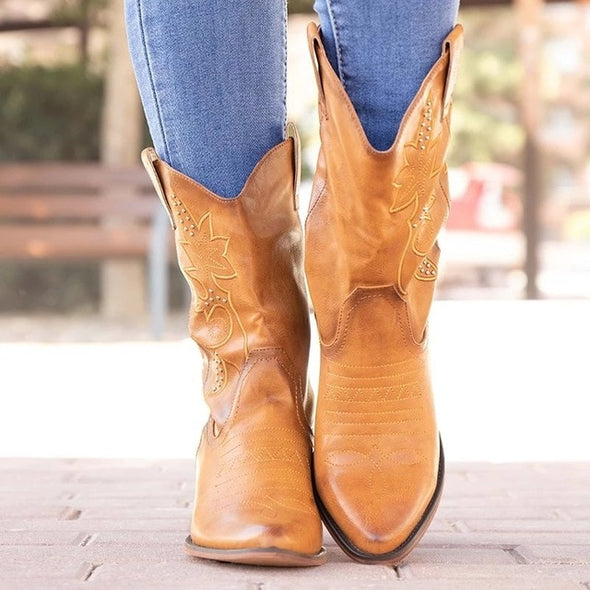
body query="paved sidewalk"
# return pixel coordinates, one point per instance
(119, 524)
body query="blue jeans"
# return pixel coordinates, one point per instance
(212, 75)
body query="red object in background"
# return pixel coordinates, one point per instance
(485, 198)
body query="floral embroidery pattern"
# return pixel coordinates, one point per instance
(207, 266)
(207, 252)
(416, 192)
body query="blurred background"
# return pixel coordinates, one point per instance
(86, 255)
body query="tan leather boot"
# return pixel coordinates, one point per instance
(242, 259)
(371, 263)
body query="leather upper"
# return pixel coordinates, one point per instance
(371, 264)
(242, 259)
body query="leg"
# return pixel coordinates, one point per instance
(213, 83)
(382, 51)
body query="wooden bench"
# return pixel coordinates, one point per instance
(84, 211)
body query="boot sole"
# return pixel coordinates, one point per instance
(271, 556)
(401, 551)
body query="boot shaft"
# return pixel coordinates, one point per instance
(377, 214)
(242, 258)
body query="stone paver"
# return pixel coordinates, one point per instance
(118, 525)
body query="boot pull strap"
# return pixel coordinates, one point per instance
(294, 135)
(315, 47)
(452, 46)
(148, 159)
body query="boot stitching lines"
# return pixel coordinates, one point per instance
(295, 383)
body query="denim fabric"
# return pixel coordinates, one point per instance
(212, 79)
(382, 50)
(212, 74)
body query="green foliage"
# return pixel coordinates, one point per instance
(64, 287)
(78, 10)
(304, 6)
(49, 113)
(57, 287)
(486, 124)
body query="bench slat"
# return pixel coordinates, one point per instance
(70, 175)
(25, 242)
(43, 207)
(36, 195)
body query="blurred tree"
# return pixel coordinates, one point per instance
(123, 281)
(86, 13)
(304, 6)
(49, 113)
(67, 10)
(486, 126)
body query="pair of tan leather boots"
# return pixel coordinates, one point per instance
(376, 472)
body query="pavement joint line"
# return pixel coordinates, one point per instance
(83, 540)
(68, 497)
(460, 527)
(515, 554)
(456, 546)
(91, 571)
(69, 513)
(87, 570)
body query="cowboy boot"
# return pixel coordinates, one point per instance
(371, 264)
(242, 260)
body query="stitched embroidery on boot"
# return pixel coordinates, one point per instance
(416, 187)
(206, 265)
(427, 271)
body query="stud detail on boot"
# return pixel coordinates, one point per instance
(371, 264)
